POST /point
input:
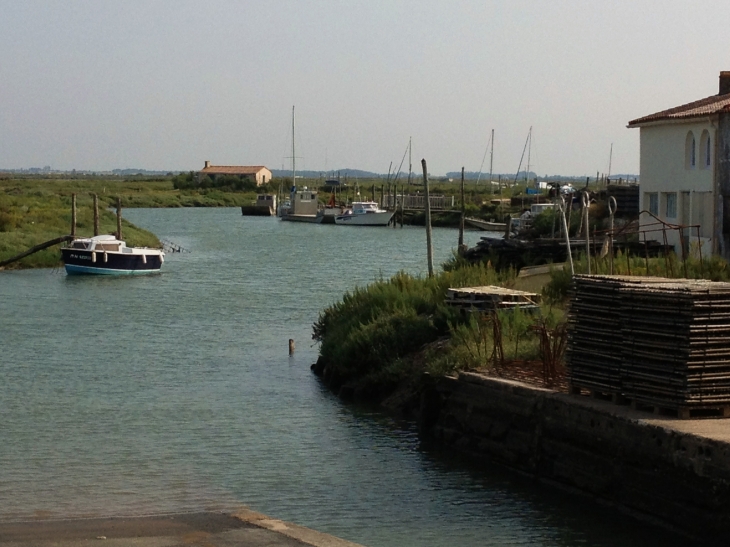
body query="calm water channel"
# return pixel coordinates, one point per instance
(176, 393)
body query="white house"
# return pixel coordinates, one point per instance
(685, 173)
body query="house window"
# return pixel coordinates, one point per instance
(690, 151)
(671, 210)
(653, 203)
(705, 150)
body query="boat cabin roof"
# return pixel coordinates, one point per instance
(101, 242)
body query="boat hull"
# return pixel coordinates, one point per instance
(486, 225)
(80, 262)
(367, 219)
(257, 210)
(312, 219)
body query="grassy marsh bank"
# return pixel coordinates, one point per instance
(37, 209)
(377, 341)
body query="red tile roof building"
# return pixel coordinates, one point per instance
(259, 173)
(685, 174)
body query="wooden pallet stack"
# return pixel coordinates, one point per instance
(677, 345)
(595, 337)
(656, 342)
(491, 298)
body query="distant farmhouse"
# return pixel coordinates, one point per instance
(257, 173)
(685, 172)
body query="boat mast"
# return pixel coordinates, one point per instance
(529, 148)
(610, 157)
(293, 157)
(491, 164)
(410, 162)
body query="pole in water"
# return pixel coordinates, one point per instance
(119, 218)
(461, 220)
(96, 215)
(291, 346)
(429, 244)
(73, 214)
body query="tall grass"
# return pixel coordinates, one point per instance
(374, 332)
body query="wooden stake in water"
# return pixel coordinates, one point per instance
(463, 212)
(96, 215)
(291, 346)
(429, 243)
(119, 218)
(73, 214)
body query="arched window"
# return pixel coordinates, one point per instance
(690, 151)
(705, 150)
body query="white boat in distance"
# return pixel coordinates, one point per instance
(365, 213)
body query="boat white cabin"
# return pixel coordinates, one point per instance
(365, 213)
(107, 255)
(303, 206)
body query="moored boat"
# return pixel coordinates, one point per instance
(303, 206)
(485, 225)
(107, 255)
(265, 205)
(365, 213)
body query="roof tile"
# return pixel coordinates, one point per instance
(695, 109)
(232, 169)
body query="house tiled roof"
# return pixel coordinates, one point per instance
(696, 109)
(232, 169)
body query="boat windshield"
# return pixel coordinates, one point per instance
(107, 247)
(368, 207)
(80, 245)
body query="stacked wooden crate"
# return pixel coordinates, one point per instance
(655, 341)
(595, 338)
(677, 344)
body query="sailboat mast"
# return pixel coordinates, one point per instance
(293, 156)
(491, 162)
(610, 157)
(529, 148)
(410, 163)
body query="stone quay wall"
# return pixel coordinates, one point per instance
(669, 471)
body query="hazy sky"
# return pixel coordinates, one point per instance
(168, 84)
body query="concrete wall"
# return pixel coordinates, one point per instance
(678, 479)
(666, 168)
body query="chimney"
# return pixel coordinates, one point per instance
(724, 82)
(207, 162)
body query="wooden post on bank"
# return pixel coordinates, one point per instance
(96, 215)
(73, 215)
(463, 213)
(429, 243)
(119, 218)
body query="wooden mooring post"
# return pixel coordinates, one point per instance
(96, 215)
(429, 243)
(73, 215)
(119, 218)
(463, 214)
